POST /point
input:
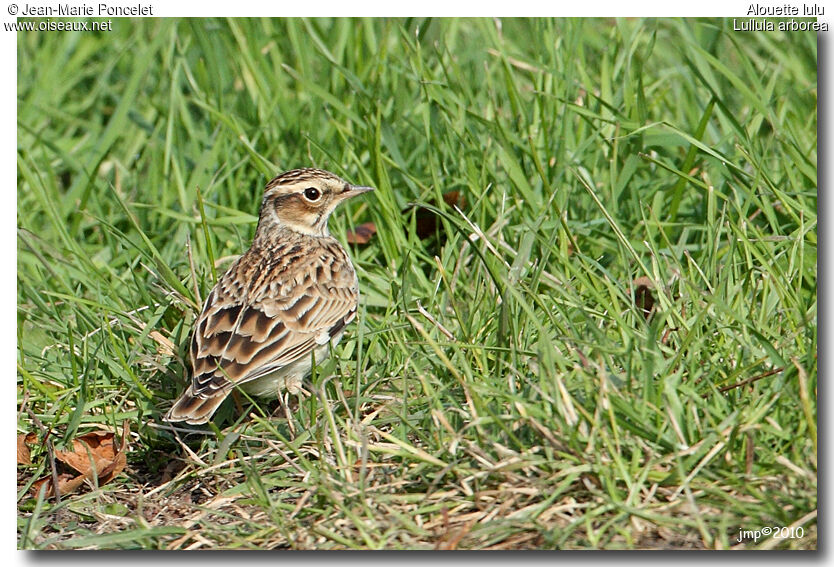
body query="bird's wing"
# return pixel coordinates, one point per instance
(247, 330)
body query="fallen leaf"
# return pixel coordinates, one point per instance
(98, 445)
(23, 455)
(362, 234)
(66, 484)
(427, 220)
(112, 470)
(107, 461)
(643, 298)
(453, 198)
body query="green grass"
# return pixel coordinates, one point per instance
(536, 406)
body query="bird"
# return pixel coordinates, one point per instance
(286, 301)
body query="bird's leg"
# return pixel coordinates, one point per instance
(284, 399)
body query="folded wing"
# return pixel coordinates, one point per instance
(243, 336)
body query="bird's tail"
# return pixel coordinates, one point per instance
(195, 409)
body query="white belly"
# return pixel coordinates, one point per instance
(288, 377)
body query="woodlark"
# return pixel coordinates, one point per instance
(288, 298)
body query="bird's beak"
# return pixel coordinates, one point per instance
(355, 190)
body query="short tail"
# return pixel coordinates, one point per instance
(195, 409)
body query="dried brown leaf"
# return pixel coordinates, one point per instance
(362, 234)
(643, 298)
(107, 462)
(427, 220)
(452, 198)
(23, 455)
(66, 484)
(98, 445)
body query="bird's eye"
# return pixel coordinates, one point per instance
(312, 194)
